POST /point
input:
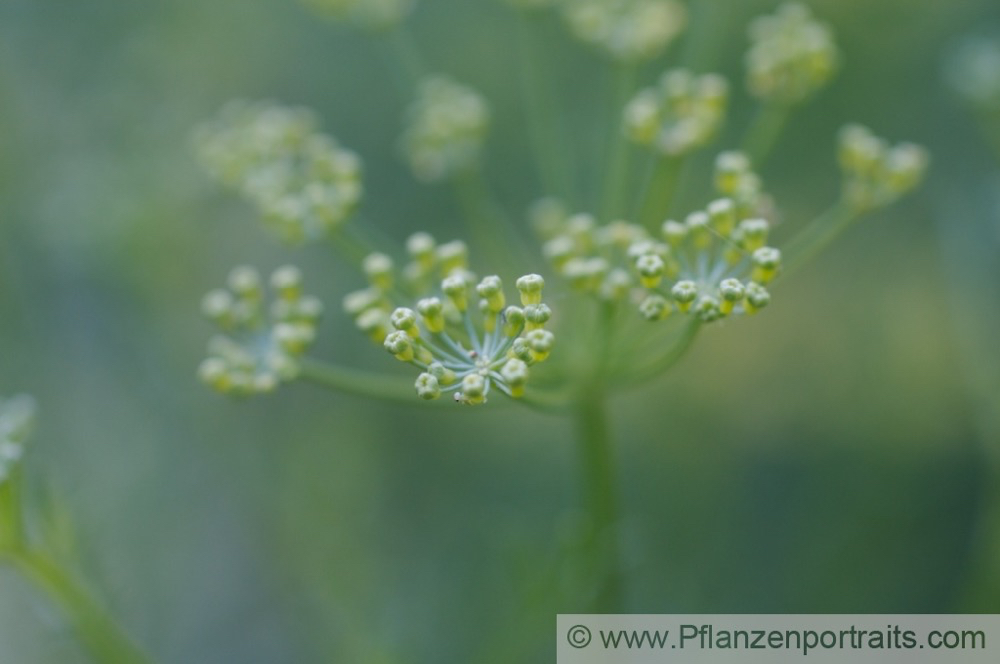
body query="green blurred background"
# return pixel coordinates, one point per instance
(832, 455)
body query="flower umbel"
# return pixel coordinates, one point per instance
(447, 124)
(791, 55)
(17, 418)
(301, 180)
(262, 342)
(680, 114)
(628, 30)
(875, 173)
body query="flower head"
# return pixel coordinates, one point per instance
(680, 114)
(447, 125)
(875, 173)
(791, 55)
(261, 341)
(17, 418)
(713, 263)
(628, 30)
(302, 181)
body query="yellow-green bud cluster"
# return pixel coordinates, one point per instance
(875, 173)
(974, 72)
(17, 419)
(714, 263)
(628, 30)
(303, 182)
(468, 350)
(372, 14)
(446, 127)
(680, 114)
(791, 55)
(261, 341)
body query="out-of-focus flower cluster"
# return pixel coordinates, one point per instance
(446, 127)
(628, 30)
(460, 332)
(303, 182)
(973, 70)
(875, 173)
(373, 14)
(683, 112)
(17, 418)
(261, 341)
(714, 263)
(791, 55)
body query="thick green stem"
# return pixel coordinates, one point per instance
(98, 632)
(601, 499)
(817, 236)
(763, 134)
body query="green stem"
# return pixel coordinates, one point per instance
(763, 133)
(601, 499)
(98, 632)
(358, 382)
(616, 177)
(658, 193)
(545, 128)
(818, 235)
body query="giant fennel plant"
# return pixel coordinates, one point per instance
(635, 278)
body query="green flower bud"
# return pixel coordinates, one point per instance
(674, 232)
(217, 306)
(698, 228)
(906, 165)
(287, 282)
(433, 314)
(214, 372)
(722, 216)
(515, 374)
(731, 291)
(540, 342)
(427, 387)
(753, 233)
(521, 350)
(374, 323)
(398, 344)
(456, 288)
(245, 282)
(405, 320)
(491, 290)
(730, 167)
(684, 292)
(444, 375)
(530, 286)
(378, 268)
(294, 338)
(707, 308)
(514, 321)
(654, 308)
(473, 390)
(453, 256)
(650, 268)
(358, 302)
(757, 297)
(766, 262)
(421, 246)
(536, 315)
(548, 217)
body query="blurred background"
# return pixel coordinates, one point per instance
(837, 454)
